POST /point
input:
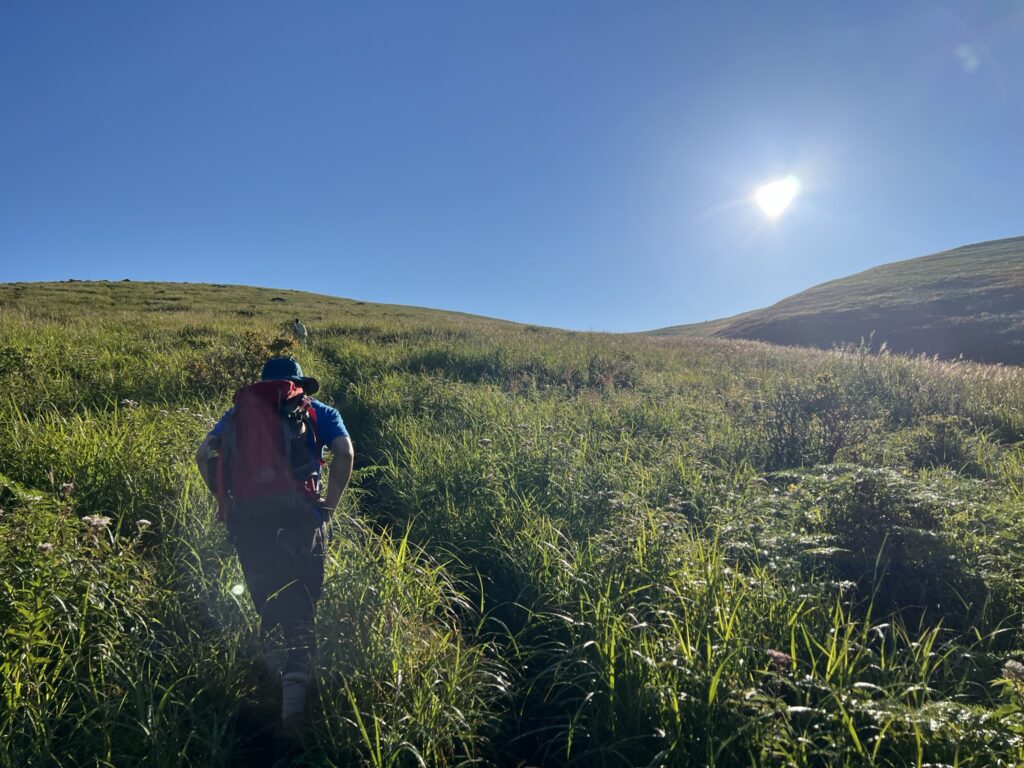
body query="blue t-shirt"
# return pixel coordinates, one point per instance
(328, 423)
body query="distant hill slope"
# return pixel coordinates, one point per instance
(967, 301)
(70, 298)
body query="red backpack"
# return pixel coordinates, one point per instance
(267, 456)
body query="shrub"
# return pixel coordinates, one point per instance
(892, 542)
(228, 368)
(804, 423)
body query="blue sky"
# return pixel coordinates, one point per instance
(582, 163)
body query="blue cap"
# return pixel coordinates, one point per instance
(287, 369)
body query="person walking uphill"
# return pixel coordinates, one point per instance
(262, 460)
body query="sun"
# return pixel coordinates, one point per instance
(776, 196)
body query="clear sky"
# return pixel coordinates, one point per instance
(580, 163)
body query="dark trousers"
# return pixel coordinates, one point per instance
(282, 555)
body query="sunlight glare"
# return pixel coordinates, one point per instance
(775, 197)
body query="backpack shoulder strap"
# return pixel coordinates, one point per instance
(309, 416)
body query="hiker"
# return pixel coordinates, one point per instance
(262, 460)
(299, 331)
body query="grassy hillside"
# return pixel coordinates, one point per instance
(968, 301)
(560, 549)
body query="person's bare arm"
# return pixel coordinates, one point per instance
(342, 456)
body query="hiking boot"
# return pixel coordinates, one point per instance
(290, 738)
(287, 749)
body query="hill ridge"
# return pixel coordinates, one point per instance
(962, 302)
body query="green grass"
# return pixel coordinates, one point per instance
(966, 301)
(559, 549)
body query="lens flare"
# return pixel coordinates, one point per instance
(776, 196)
(238, 589)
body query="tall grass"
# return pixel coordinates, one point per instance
(559, 548)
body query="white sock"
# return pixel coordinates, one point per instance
(294, 688)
